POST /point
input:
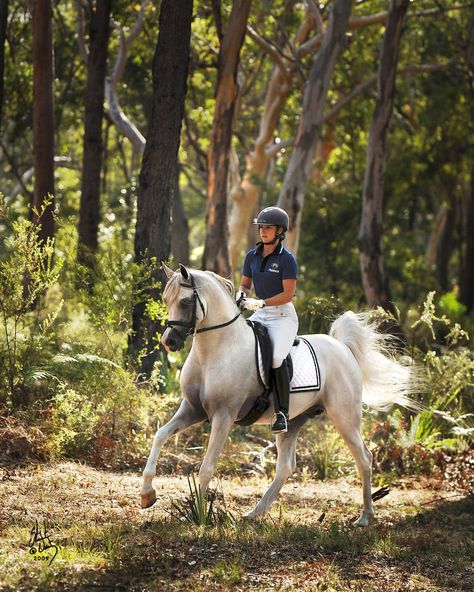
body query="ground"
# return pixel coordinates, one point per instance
(422, 538)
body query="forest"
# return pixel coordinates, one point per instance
(137, 133)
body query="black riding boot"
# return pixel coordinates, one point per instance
(281, 391)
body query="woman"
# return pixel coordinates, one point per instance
(273, 271)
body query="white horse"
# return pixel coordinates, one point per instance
(219, 381)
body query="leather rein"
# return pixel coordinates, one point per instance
(191, 325)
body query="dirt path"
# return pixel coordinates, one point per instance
(422, 538)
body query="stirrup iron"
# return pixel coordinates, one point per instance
(281, 423)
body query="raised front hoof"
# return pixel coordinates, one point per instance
(148, 499)
(363, 520)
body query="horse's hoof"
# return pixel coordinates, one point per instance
(362, 521)
(148, 499)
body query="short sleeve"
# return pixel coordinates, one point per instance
(290, 268)
(247, 268)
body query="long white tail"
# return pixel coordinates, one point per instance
(385, 380)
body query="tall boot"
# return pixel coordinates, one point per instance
(281, 391)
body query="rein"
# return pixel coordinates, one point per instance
(191, 325)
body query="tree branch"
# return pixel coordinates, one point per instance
(117, 115)
(272, 52)
(317, 15)
(81, 31)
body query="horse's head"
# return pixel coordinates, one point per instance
(186, 296)
(185, 307)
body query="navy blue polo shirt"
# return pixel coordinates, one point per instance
(269, 272)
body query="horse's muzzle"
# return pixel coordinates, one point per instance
(173, 339)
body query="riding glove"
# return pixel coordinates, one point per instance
(253, 303)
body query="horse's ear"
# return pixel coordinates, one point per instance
(168, 271)
(184, 271)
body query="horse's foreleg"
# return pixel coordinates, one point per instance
(221, 424)
(286, 464)
(347, 423)
(182, 419)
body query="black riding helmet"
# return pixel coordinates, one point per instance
(274, 216)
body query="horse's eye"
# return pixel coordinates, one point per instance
(186, 302)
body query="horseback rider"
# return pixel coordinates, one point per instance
(273, 271)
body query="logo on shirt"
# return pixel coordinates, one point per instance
(274, 267)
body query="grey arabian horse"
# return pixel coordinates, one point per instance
(219, 380)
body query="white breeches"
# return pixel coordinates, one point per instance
(282, 324)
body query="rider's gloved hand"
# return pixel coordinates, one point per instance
(240, 297)
(253, 303)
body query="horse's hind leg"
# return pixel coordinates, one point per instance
(346, 419)
(182, 419)
(286, 464)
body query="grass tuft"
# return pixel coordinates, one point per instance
(201, 510)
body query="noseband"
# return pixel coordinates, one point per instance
(191, 325)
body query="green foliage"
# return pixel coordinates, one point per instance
(73, 423)
(26, 273)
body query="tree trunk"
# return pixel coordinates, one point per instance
(466, 295)
(440, 244)
(445, 246)
(43, 116)
(159, 165)
(179, 228)
(216, 250)
(3, 35)
(245, 195)
(89, 214)
(374, 281)
(299, 168)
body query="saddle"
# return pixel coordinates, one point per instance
(303, 370)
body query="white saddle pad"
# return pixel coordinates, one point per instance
(306, 374)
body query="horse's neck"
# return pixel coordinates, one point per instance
(236, 337)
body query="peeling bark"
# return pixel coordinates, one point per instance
(216, 251)
(245, 195)
(299, 168)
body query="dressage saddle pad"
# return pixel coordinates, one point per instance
(302, 361)
(303, 368)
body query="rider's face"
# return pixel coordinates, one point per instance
(267, 233)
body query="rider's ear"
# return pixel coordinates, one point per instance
(184, 271)
(168, 271)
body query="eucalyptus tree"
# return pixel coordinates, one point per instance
(3, 33)
(43, 116)
(159, 166)
(299, 167)
(216, 253)
(375, 283)
(89, 212)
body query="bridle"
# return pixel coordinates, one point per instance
(191, 325)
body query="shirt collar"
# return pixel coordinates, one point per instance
(277, 251)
